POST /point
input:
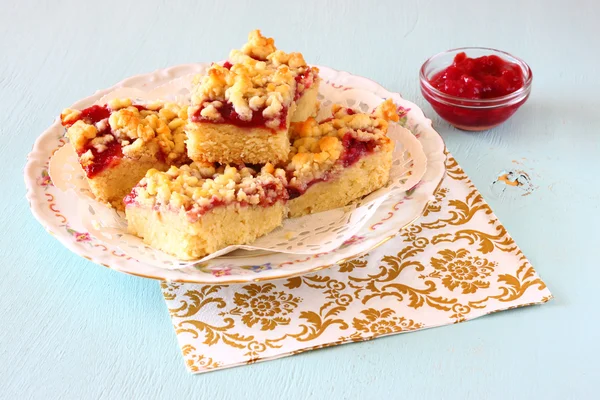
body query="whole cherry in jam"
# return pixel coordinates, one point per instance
(485, 77)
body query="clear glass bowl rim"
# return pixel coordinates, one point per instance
(508, 99)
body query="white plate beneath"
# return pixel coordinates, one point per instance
(57, 211)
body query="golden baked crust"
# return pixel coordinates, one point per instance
(199, 187)
(259, 78)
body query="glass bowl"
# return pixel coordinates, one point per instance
(467, 114)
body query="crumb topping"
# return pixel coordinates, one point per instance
(258, 46)
(318, 147)
(199, 187)
(260, 78)
(140, 130)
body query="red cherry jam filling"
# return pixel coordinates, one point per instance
(130, 199)
(113, 153)
(306, 79)
(485, 77)
(94, 114)
(231, 117)
(272, 194)
(91, 115)
(294, 192)
(355, 149)
(111, 156)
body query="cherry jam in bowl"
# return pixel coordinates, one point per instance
(475, 88)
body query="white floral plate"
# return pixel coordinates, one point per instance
(56, 211)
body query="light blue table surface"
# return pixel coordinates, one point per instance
(72, 330)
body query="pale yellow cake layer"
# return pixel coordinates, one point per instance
(114, 183)
(366, 175)
(220, 227)
(307, 105)
(230, 144)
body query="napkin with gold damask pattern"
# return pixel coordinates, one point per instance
(455, 264)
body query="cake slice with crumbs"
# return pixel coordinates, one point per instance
(340, 159)
(197, 209)
(241, 110)
(117, 143)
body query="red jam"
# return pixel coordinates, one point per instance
(475, 92)
(294, 192)
(92, 115)
(113, 152)
(272, 194)
(231, 117)
(307, 79)
(130, 199)
(355, 149)
(111, 156)
(484, 77)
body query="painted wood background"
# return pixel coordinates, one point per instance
(73, 330)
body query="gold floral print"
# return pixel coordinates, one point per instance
(197, 362)
(387, 282)
(460, 269)
(487, 241)
(435, 206)
(459, 312)
(260, 304)
(410, 233)
(356, 300)
(383, 322)
(461, 212)
(254, 348)
(349, 266)
(169, 290)
(453, 170)
(515, 286)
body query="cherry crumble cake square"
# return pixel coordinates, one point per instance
(197, 209)
(340, 159)
(241, 110)
(119, 142)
